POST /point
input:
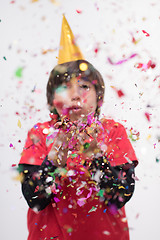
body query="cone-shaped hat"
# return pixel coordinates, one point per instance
(68, 51)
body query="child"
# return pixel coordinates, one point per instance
(77, 170)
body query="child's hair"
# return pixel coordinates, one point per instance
(81, 69)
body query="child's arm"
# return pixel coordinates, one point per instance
(117, 183)
(37, 184)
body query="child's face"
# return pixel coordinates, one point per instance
(75, 99)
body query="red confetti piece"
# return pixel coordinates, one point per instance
(144, 66)
(158, 76)
(78, 11)
(96, 50)
(120, 93)
(146, 34)
(13, 165)
(36, 189)
(147, 116)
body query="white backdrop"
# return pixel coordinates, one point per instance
(104, 29)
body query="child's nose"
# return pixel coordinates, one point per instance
(75, 94)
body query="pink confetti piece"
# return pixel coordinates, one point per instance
(56, 199)
(78, 11)
(96, 6)
(122, 61)
(10, 145)
(145, 33)
(89, 194)
(81, 201)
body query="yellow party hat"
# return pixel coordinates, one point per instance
(68, 51)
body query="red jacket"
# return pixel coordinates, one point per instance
(76, 212)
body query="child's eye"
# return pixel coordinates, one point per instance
(84, 86)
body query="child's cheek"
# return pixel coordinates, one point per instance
(58, 104)
(84, 97)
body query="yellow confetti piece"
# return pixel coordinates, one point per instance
(83, 66)
(127, 194)
(19, 124)
(92, 182)
(148, 137)
(55, 2)
(121, 187)
(19, 177)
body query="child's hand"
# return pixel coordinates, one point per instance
(65, 141)
(88, 139)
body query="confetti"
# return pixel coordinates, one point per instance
(56, 199)
(119, 92)
(106, 233)
(145, 33)
(157, 159)
(146, 66)
(13, 165)
(47, 50)
(19, 124)
(78, 11)
(5, 58)
(122, 61)
(93, 209)
(83, 67)
(18, 72)
(147, 115)
(135, 41)
(69, 230)
(134, 136)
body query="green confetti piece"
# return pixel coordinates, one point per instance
(86, 145)
(74, 155)
(157, 159)
(18, 72)
(60, 171)
(100, 193)
(5, 58)
(92, 209)
(52, 175)
(69, 230)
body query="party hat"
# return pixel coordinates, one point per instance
(68, 51)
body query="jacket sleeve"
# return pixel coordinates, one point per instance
(38, 185)
(116, 183)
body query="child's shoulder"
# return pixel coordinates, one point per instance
(44, 127)
(110, 123)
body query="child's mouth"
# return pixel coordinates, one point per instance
(75, 109)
